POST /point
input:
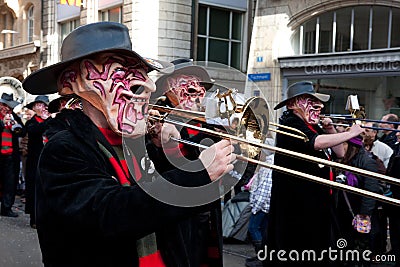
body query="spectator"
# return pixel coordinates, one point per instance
(351, 206)
(372, 144)
(394, 211)
(389, 137)
(260, 195)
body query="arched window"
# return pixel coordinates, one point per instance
(30, 24)
(349, 29)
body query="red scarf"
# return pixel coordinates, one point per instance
(149, 255)
(6, 141)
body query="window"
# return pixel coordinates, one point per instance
(309, 36)
(114, 14)
(325, 33)
(7, 36)
(30, 24)
(361, 26)
(356, 28)
(67, 27)
(343, 20)
(219, 36)
(380, 27)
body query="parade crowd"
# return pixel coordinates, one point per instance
(95, 202)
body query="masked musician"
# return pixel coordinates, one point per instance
(300, 216)
(185, 89)
(11, 128)
(91, 211)
(35, 128)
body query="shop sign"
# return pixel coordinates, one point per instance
(353, 68)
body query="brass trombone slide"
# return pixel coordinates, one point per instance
(367, 127)
(348, 118)
(201, 117)
(306, 176)
(286, 152)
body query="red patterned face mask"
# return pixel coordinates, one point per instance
(188, 90)
(308, 108)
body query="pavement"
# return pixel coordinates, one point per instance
(19, 245)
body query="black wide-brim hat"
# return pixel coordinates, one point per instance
(39, 99)
(302, 88)
(55, 104)
(186, 69)
(85, 41)
(8, 99)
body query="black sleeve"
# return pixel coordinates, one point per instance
(79, 190)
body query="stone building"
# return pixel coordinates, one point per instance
(20, 38)
(346, 47)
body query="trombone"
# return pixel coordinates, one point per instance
(201, 117)
(251, 134)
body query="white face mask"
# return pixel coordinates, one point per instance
(188, 90)
(308, 108)
(118, 86)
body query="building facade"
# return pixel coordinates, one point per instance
(346, 47)
(202, 30)
(20, 35)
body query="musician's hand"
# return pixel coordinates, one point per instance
(218, 159)
(167, 131)
(326, 124)
(356, 130)
(7, 119)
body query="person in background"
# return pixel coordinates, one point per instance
(372, 144)
(35, 129)
(95, 203)
(389, 137)
(352, 208)
(393, 212)
(300, 215)
(260, 196)
(379, 218)
(23, 147)
(11, 128)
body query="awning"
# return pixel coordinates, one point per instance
(348, 58)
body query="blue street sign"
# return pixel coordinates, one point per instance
(259, 76)
(260, 59)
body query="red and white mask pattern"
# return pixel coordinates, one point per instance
(118, 86)
(188, 90)
(308, 108)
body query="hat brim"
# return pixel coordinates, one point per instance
(31, 104)
(198, 71)
(11, 104)
(321, 97)
(44, 80)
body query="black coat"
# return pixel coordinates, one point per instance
(300, 211)
(389, 139)
(85, 217)
(35, 130)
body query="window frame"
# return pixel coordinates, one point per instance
(370, 42)
(230, 40)
(107, 12)
(30, 23)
